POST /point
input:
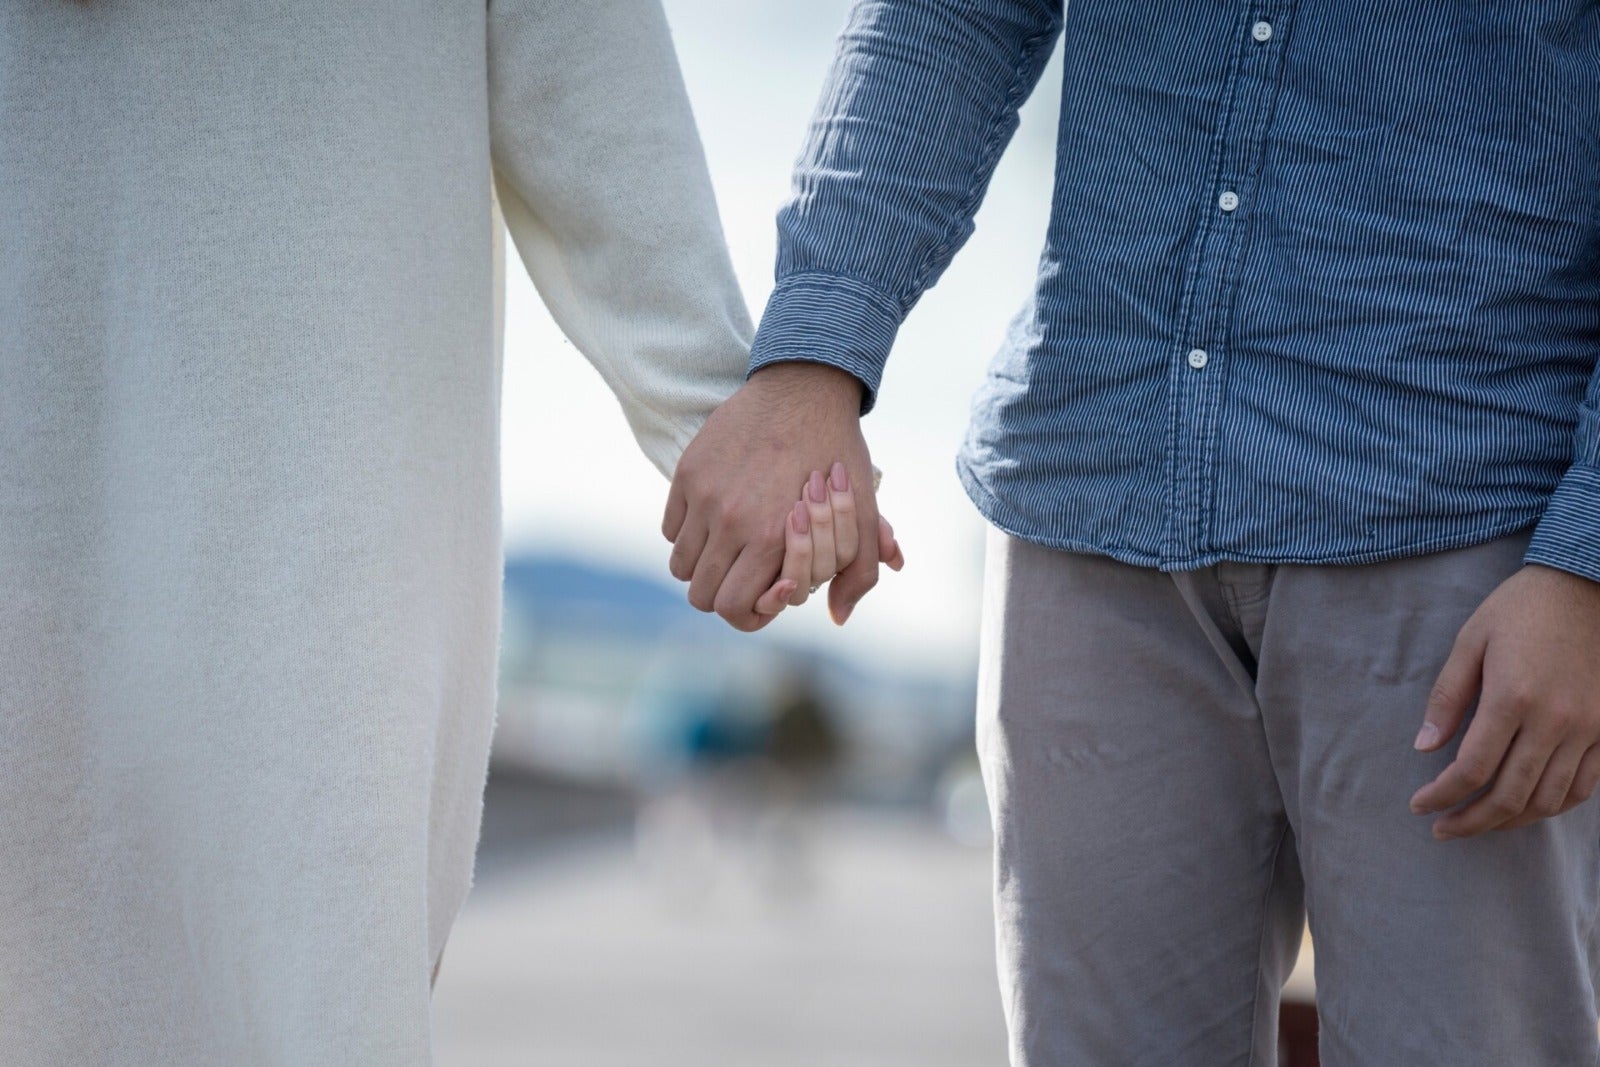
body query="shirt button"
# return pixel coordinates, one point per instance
(1198, 358)
(1262, 31)
(1228, 200)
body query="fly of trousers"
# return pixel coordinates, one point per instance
(1185, 767)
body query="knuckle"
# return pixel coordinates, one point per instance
(1559, 721)
(742, 621)
(1521, 701)
(1441, 695)
(770, 536)
(1544, 807)
(1521, 776)
(1474, 772)
(1505, 805)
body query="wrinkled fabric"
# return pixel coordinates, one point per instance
(1321, 282)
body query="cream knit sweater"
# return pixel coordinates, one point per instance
(249, 529)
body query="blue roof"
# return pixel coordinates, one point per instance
(569, 595)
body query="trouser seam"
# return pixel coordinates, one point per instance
(1261, 942)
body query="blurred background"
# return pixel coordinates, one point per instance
(707, 848)
(702, 847)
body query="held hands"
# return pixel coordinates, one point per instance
(733, 491)
(1531, 657)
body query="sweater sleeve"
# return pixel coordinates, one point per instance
(603, 182)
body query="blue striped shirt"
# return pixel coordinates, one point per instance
(1321, 282)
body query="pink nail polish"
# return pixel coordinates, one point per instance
(801, 517)
(1427, 737)
(840, 479)
(818, 488)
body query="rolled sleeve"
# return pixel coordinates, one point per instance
(831, 319)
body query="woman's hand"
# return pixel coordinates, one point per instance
(821, 540)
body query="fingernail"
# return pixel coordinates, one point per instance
(786, 588)
(1444, 835)
(840, 480)
(801, 517)
(1427, 737)
(1419, 808)
(818, 488)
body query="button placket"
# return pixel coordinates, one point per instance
(1205, 317)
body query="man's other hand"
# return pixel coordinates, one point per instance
(1530, 657)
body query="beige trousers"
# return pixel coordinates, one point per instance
(1183, 766)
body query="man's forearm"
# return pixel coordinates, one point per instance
(920, 102)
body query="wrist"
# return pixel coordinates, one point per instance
(823, 384)
(1581, 584)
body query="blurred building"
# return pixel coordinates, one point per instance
(610, 677)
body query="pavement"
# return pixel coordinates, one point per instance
(845, 938)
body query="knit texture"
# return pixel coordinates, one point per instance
(249, 496)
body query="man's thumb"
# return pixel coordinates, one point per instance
(1453, 693)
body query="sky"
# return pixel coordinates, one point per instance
(574, 482)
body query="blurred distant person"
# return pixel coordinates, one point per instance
(732, 766)
(1294, 449)
(803, 752)
(249, 520)
(802, 741)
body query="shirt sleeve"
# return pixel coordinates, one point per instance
(603, 183)
(1568, 536)
(921, 101)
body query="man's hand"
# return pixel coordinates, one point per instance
(1531, 657)
(735, 486)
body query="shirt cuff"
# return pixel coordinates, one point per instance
(1568, 537)
(827, 318)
